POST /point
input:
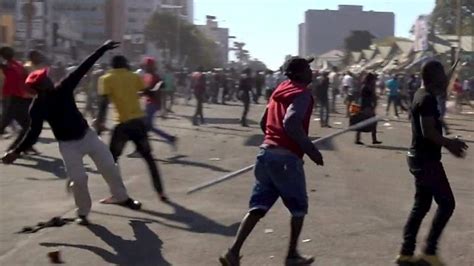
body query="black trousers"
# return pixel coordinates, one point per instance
(431, 183)
(245, 98)
(199, 107)
(136, 131)
(324, 111)
(16, 109)
(396, 101)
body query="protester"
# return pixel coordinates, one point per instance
(55, 104)
(279, 168)
(153, 84)
(347, 88)
(270, 84)
(198, 85)
(15, 96)
(335, 84)
(413, 85)
(245, 91)
(259, 85)
(322, 92)
(368, 105)
(169, 89)
(424, 161)
(393, 89)
(121, 86)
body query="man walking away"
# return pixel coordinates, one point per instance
(279, 168)
(121, 87)
(245, 90)
(322, 91)
(424, 161)
(198, 85)
(55, 104)
(335, 82)
(393, 88)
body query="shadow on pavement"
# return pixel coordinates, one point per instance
(180, 159)
(192, 221)
(144, 250)
(48, 164)
(385, 147)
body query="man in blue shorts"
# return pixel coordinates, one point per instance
(279, 168)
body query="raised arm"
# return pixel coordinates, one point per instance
(71, 81)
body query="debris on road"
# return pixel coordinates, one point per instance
(214, 159)
(307, 240)
(55, 257)
(268, 231)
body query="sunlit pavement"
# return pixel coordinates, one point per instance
(358, 201)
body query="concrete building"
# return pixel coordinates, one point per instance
(187, 10)
(325, 30)
(91, 14)
(137, 13)
(219, 35)
(7, 22)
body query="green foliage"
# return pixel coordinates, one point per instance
(191, 44)
(358, 40)
(444, 17)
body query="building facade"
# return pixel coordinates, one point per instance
(186, 10)
(325, 30)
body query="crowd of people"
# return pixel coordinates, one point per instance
(34, 93)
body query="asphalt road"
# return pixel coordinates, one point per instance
(359, 200)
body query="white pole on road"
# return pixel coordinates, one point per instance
(213, 182)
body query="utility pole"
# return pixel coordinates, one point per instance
(29, 25)
(459, 24)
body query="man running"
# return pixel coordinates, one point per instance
(16, 99)
(55, 104)
(279, 168)
(122, 87)
(424, 161)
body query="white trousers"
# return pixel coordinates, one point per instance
(73, 153)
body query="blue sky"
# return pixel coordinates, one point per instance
(270, 27)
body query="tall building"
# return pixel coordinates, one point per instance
(186, 10)
(137, 14)
(90, 14)
(325, 30)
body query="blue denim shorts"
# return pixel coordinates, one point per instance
(279, 175)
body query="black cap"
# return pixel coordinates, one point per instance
(296, 65)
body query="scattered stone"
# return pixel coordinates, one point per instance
(268, 231)
(306, 240)
(271, 257)
(214, 159)
(55, 257)
(313, 190)
(338, 123)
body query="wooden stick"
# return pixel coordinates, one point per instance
(213, 182)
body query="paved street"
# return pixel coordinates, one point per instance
(358, 201)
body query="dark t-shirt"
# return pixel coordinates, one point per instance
(424, 105)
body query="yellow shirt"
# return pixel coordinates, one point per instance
(122, 87)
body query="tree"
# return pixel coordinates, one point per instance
(358, 40)
(191, 45)
(444, 17)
